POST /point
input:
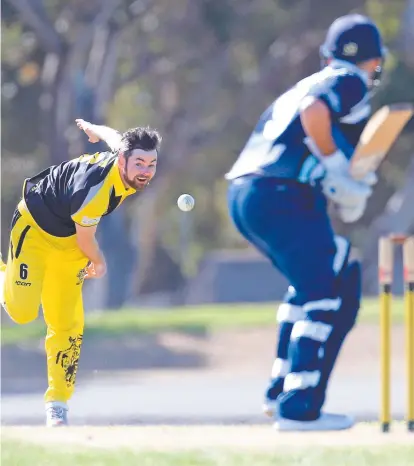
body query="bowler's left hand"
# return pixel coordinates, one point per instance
(88, 129)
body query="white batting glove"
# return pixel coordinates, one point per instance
(339, 186)
(351, 214)
(343, 190)
(370, 179)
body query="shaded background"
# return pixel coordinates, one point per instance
(201, 72)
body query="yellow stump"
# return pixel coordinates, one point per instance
(385, 316)
(385, 269)
(408, 255)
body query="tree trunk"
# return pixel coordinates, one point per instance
(407, 34)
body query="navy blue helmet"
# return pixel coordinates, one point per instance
(353, 38)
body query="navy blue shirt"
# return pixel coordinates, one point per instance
(279, 146)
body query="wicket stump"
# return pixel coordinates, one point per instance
(385, 271)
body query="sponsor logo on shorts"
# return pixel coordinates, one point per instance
(81, 277)
(20, 283)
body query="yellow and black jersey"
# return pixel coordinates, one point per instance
(78, 191)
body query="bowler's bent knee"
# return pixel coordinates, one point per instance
(21, 315)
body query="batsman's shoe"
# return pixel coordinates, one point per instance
(270, 408)
(326, 422)
(56, 414)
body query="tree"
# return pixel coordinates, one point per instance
(201, 72)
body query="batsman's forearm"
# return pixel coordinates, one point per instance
(111, 136)
(316, 122)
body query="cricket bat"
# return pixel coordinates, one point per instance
(379, 134)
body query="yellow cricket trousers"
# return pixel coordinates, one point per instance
(47, 270)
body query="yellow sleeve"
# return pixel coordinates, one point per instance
(94, 205)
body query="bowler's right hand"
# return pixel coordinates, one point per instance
(95, 270)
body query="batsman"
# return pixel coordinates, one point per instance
(53, 247)
(296, 162)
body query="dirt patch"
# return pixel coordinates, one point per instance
(251, 351)
(174, 438)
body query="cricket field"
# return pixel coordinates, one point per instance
(185, 388)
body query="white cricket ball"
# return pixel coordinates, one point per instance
(185, 202)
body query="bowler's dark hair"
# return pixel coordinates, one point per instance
(147, 139)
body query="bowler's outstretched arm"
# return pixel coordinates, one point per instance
(97, 133)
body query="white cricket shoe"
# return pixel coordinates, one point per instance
(326, 421)
(56, 414)
(270, 408)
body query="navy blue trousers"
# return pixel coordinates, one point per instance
(288, 222)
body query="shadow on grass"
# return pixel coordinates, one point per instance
(23, 367)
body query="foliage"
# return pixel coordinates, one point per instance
(201, 72)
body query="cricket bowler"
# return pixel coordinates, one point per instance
(295, 162)
(53, 247)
